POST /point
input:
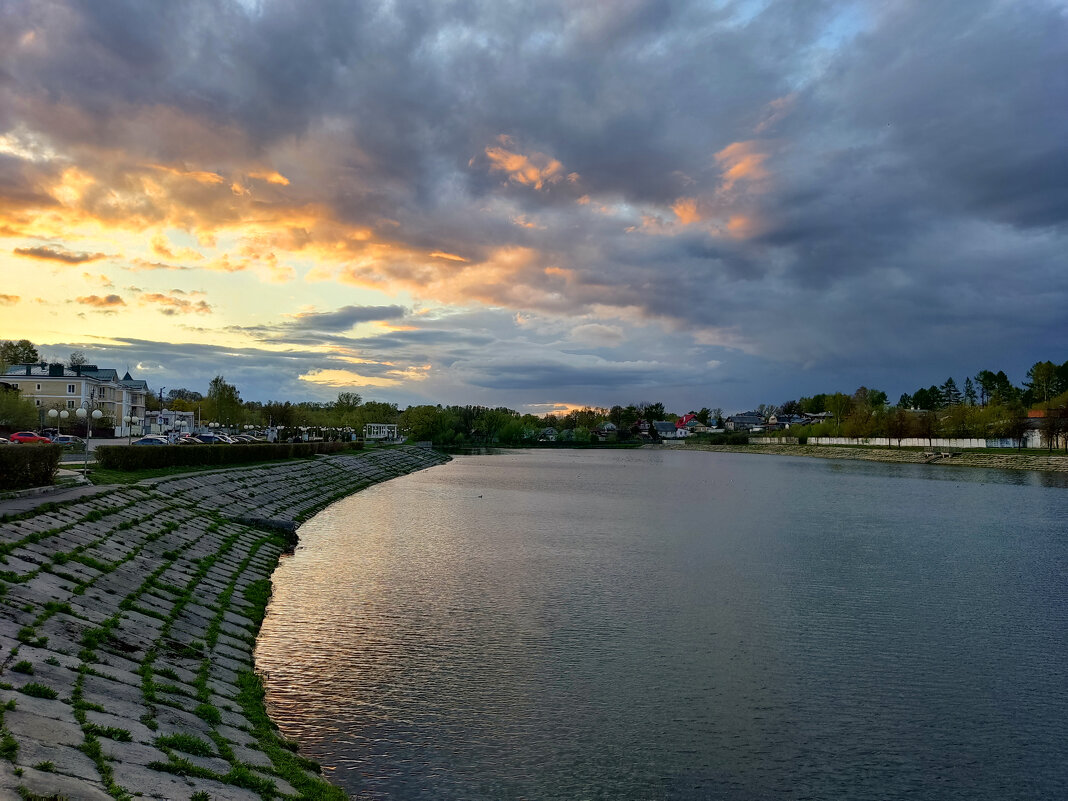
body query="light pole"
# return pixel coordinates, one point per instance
(130, 421)
(83, 413)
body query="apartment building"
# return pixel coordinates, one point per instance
(55, 386)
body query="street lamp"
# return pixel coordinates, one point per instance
(83, 414)
(130, 421)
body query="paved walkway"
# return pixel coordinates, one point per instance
(44, 495)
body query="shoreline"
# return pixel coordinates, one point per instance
(128, 623)
(989, 460)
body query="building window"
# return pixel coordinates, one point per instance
(70, 388)
(36, 401)
(70, 404)
(38, 387)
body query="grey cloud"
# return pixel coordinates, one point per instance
(920, 129)
(346, 317)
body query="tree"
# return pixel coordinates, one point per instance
(969, 392)
(184, 395)
(651, 411)
(717, 415)
(986, 381)
(950, 394)
(930, 398)
(839, 404)
(21, 352)
(790, 407)
(1042, 382)
(905, 401)
(1053, 426)
(76, 359)
(1016, 423)
(897, 424)
(927, 425)
(17, 412)
(223, 401)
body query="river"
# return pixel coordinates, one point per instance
(663, 624)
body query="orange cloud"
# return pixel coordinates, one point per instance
(161, 246)
(535, 170)
(685, 209)
(171, 305)
(741, 161)
(99, 302)
(200, 176)
(440, 254)
(270, 176)
(9, 300)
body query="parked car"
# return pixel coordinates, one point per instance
(189, 439)
(4, 441)
(27, 437)
(68, 441)
(214, 439)
(151, 440)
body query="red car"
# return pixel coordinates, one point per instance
(24, 437)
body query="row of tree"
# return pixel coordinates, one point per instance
(988, 404)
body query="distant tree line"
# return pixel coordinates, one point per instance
(987, 404)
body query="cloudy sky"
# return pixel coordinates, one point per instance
(710, 203)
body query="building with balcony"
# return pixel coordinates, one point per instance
(55, 386)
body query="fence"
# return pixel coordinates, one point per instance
(904, 442)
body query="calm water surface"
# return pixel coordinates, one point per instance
(658, 624)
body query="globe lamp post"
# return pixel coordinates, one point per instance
(84, 414)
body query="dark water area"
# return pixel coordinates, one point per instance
(662, 624)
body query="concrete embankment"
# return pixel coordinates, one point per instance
(127, 626)
(991, 459)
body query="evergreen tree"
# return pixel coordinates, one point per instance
(950, 394)
(969, 392)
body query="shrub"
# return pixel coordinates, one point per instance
(23, 466)
(127, 457)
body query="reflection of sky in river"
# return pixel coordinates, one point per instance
(663, 624)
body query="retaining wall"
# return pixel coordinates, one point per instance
(127, 626)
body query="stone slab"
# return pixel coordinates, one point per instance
(65, 759)
(22, 723)
(55, 785)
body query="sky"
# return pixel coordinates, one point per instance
(537, 204)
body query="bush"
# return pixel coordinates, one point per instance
(147, 457)
(23, 466)
(729, 439)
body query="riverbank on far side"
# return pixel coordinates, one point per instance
(989, 459)
(128, 620)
